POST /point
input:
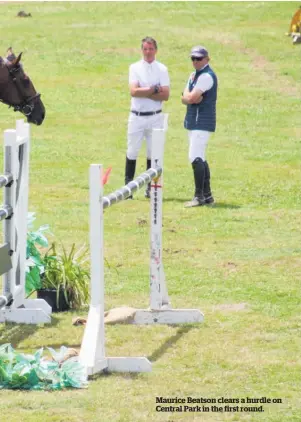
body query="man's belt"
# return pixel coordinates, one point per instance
(146, 113)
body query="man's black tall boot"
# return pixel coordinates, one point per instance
(207, 190)
(147, 190)
(130, 168)
(199, 178)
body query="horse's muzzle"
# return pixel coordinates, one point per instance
(38, 113)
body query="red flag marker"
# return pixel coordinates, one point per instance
(105, 176)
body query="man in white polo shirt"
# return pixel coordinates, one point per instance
(149, 87)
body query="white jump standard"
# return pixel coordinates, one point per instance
(13, 305)
(92, 352)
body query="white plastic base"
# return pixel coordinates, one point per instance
(120, 364)
(33, 311)
(168, 316)
(92, 352)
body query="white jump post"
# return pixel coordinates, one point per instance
(13, 305)
(160, 311)
(92, 352)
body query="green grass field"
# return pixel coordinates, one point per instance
(240, 262)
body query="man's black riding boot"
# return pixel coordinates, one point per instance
(207, 190)
(147, 190)
(130, 168)
(199, 178)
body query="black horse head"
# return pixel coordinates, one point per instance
(17, 90)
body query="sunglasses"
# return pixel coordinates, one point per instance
(198, 59)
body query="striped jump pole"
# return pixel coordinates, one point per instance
(6, 300)
(127, 190)
(92, 352)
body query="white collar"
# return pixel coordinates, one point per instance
(147, 63)
(207, 64)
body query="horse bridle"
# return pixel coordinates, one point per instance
(25, 107)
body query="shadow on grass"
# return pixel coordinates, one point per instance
(180, 200)
(215, 206)
(152, 358)
(15, 333)
(224, 205)
(169, 343)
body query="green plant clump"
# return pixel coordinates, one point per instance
(67, 272)
(35, 372)
(34, 259)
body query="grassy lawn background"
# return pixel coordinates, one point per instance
(238, 262)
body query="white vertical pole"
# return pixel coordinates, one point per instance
(165, 298)
(16, 156)
(93, 343)
(10, 161)
(158, 293)
(96, 234)
(21, 211)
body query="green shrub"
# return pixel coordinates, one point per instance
(68, 272)
(34, 259)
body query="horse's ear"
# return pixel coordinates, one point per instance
(17, 60)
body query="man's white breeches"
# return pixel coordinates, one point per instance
(139, 128)
(198, 140)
